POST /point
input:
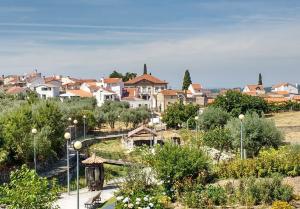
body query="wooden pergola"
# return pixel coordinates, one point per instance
(94, 172)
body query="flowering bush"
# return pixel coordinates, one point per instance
(139, 201)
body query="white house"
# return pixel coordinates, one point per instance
(137, 102)
(46, 91)
(103, 95)
(285, 87)
(33, 82)
(113, 84)
(254, 90)
(195, 88)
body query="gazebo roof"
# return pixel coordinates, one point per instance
(141, 130)
(93, 160)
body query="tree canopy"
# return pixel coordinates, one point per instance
(186, 80)
(126, 77)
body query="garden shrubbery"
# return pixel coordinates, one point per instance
(285, 160)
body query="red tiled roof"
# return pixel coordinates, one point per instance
(80, 93)
(280, 84)
(197, 86)
(255, 87)
(169, 92)
(276, 99)
(112, 80)
(296, 97)
(146, 77)
(16, 90)
(281, 92)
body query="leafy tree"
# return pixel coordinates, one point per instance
(219, 139)
(213, 117)
(116, 74)
(178, 114)
(126, 118)
(128, 76)
(145, 69)
(186, 80)
(111, 118)
(236, 103)
(27, 190)
(260, 82)
(258, 133)
(173, 163)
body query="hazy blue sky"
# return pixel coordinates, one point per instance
(224, 43)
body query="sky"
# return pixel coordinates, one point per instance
(223, 43)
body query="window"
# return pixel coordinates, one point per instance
(44, 89)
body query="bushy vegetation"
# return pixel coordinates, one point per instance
(178, 114)
(258, 133)
(237, 103)
(27, 190)
(213, 117)
(285, 160)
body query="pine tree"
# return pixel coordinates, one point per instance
(260, 82)
(145, 69)
(186, 80)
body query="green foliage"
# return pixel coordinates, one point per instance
(219, 139)
(236, 103)
(186, 80)
(27, 190)
(125, 77)
(140, 191)
(285, 160)
(178, 114)
(260, 82)
(173, 163)
(213, 117)
(258, 133)
(253, 191)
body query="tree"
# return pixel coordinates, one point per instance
(186, 80)
(27, 190)
(258, 133)
(116, 74)
(219, 139)
(128, 76)
(145, 69)
(236, 103)
(178, 114)
(260, 82)
(213, 117)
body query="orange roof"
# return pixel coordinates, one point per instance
(210, 101)
(281, 92)
(170, 92)
(255, 87)
(296, 97)
(197, 86)
(276, 99)
(146, 77)
(80, 93)
(15, 90)
(112, 80)
(280, 84)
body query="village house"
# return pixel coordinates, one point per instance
(285, 87)
(46, 91)
(77, 93)
(130, 96)
(254, 90)
(104, 94)
(195, 89)
(114, 84)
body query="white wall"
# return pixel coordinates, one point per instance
(289, 88)
(46, 92)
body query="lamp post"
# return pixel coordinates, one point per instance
(34, 132)
(152, 140)
(242, 117)
(161, 129)
(68, 137)
(196, 119)
(77, 147)
(84, 121)
(75, 123)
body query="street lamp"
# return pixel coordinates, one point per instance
(77, 147)
(241, 117)
(196, 119)
(34, 132)
(75, 123)
(67, 136)
(84, 121)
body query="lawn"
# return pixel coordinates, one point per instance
(289, 123)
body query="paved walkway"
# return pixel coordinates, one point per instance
(70, 201)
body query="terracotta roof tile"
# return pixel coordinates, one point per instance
(146, 77)
(16, 90)
(197, 86)
(276, 99)
(112, 80)
(255, 87)
(80, 93)
(170, 92)
(93, 160)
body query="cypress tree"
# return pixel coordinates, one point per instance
(145, 69)
(260, 82)
(186, 80)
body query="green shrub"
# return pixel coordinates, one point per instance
(258, 133)
(213, 117)
(285, 160)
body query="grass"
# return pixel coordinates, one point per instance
(289, 123)
(111, 149)
(108, 202)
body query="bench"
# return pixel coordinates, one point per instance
(93, 201)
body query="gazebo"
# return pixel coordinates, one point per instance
(94, 172)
